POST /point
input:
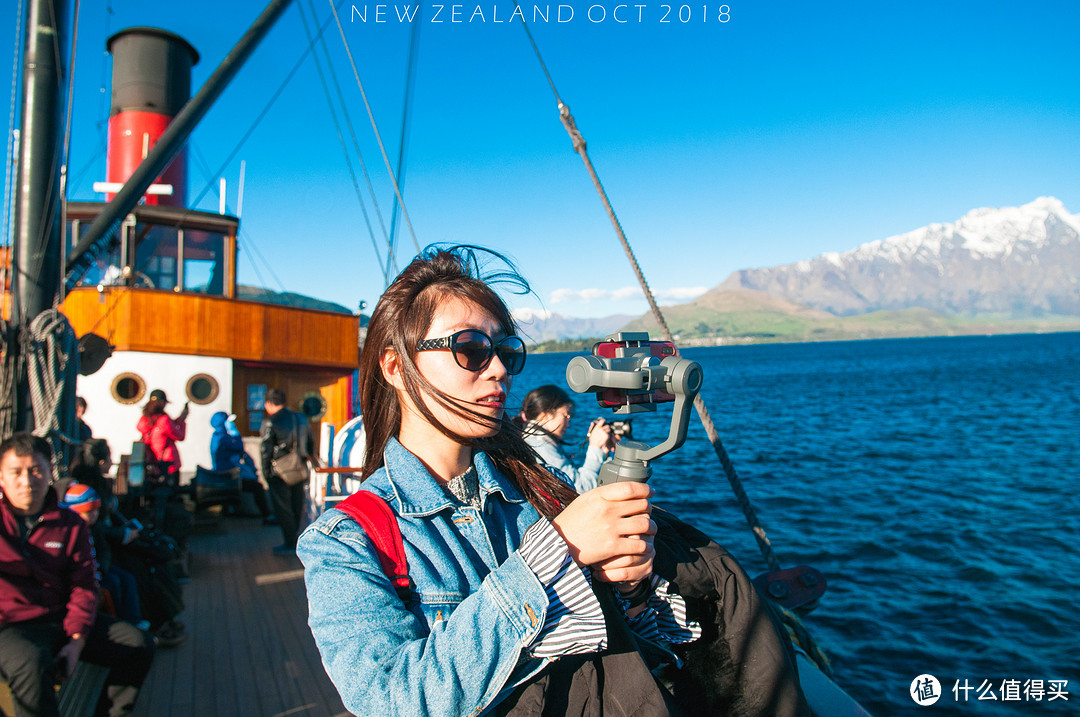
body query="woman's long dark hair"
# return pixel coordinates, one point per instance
(542, 399)
(153, 407)
(400, 319)
(90, 454)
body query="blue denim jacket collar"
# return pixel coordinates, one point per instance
(398, 483)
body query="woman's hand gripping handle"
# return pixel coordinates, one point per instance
(609, 529)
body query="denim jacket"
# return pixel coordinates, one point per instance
(459, 645)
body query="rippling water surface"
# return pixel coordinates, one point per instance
(933, 481)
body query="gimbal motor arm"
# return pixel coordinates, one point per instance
(674, 375)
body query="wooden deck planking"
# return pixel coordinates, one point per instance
(308, 661)
(196, 697)
(252, 670)
(275, 690)
(223, 677)
(249, 651)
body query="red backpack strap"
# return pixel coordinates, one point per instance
(379, 522)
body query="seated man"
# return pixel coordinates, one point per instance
(48, 594)
(227, 452)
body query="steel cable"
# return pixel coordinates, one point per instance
(743, 499)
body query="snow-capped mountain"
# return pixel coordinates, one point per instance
(1019, 261)
(541, 326)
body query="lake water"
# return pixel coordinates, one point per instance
(933, 481)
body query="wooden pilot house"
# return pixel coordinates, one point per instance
(165, 295)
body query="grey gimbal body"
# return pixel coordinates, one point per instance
(637, 374)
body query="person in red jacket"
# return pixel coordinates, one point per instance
(48, 594)
(160, 434)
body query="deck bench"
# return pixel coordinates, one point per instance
(78, 696)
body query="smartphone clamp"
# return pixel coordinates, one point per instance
(629, 373)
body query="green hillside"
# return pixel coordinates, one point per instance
(287, 298)
(746, 316)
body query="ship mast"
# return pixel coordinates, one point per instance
(36, 242)
(37, 273)
(36, 261)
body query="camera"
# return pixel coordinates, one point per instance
(622, 429)
(619, 429)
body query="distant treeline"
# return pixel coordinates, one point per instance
(565, 345)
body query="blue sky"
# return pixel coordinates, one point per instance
(792, 129)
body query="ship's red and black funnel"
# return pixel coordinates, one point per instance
(151, 81)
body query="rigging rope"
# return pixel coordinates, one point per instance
(699, 404)
(803, 640)
(250, 131)
(406, 114)
(255, 267)
(345, 149)
(96, 155)
(51, 353)
(375, 128)
(242, 234)
(9, 156)
(797, 631)
(256, 252)
(101, 125)
(8, 363)
(247, 134)
(64, 157)
(355, 141)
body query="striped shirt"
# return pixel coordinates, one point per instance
(574, 623)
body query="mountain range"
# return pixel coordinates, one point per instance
(538, 326)
(995, 270)
(1018, 261)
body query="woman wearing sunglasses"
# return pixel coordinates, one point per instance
(501, 551)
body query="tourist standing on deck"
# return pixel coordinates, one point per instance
(227, 452)
(517, 583)
(160, 434)
(545, 417)
(82, 431)
(284, 432)
(48, 593)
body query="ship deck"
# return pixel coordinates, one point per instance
(249, 650)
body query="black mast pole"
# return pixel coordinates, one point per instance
(36, 250)
(99, 235)
(36, 261)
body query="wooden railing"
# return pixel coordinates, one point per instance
(196, 324)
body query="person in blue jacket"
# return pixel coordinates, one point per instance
(545, 417)
(227, 452)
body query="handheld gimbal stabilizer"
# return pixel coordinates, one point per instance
(631, 374)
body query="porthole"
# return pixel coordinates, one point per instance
(202, 388)
(313, 405)
(128, 388)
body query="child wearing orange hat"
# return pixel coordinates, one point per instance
(121, 584)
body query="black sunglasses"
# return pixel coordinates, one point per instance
(473, 350)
